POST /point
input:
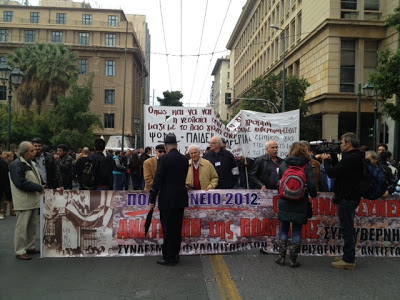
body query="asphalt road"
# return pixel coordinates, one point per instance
(243, 275)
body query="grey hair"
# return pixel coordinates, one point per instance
(217, 139)
(267, 144)
(350, 137)
(372, 153)
(23, 147)
(197, 147)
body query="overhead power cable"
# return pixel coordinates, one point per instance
(212, 54)
(165, 44)
(198, 55)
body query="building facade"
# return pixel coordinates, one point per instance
(331, 43)
(221, 86)
(107, 45)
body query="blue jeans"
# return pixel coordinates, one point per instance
(347, 211)
(296, 232)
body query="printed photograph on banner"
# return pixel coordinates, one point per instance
(76, 223)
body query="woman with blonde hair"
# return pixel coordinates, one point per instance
(295, 213)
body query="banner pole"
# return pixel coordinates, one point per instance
(247, 175)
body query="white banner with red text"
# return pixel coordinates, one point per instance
(111, 223)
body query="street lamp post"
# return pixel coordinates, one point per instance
(14, 77)
(136, 120)
(370, 91)
(283, 66)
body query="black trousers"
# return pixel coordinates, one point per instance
(171, 222)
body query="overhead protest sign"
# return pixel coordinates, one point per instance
(246, 134)
(112, 223)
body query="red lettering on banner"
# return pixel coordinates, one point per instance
(134, 228)
(191, 227)
(123, 229)
(370, 206)
(310, 230)
(360, 212)
(276, 203)
(397, 208)
(245, 227)
(268, 228)
(380, 208)
(390, 208)
(324, 206)
(220, 229)
(228, 230)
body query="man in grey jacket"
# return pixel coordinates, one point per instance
(26, 186)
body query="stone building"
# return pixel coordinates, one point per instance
(331, 43)
(99, 37)
(221, 86)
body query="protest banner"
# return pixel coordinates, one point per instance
(111, 223)
(246, 134)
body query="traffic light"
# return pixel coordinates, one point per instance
(228, 98)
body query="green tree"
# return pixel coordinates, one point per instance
(270, 88)
(387, 78)
(171, 98)
(48, 68)
(72, 122)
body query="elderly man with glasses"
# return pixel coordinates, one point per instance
(150, 167)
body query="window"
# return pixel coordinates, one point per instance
(3, 35)
(83, 66)
(349, 4)
(56, 37)
(8, 16)
(370, 58)
(3, 93)
(108, 120)
(61, 18)
(372, 4)
(347, 65)
(113, 21)
(110, 68)
(109, 97)
(35, 17)
(87, 19)
(298, 26)
(83, 38)
(111, 40)
(30, 36)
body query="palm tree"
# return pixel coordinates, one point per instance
(47, 68)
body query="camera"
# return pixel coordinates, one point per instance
(323, 146)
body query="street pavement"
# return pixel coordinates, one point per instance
(253, 275)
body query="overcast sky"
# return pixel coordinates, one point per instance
(190, 73)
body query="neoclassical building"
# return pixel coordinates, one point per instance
(107, 44)
(331, 43)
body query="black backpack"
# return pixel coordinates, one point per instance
(88, 175)
(373, 182)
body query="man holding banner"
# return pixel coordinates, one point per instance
(170, 187)
(224, 163)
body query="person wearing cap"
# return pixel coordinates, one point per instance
(170, 188)
(150, 167)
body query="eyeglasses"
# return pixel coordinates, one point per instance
(161, 151)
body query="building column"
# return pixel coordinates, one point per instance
(330, 126)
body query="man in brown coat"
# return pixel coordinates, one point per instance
(150, 167)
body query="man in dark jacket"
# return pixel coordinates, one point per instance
(103, 167)
(172, 198)
(65, 164)
(224, 163)
(265, 168)
(347, 174)
(46, 164)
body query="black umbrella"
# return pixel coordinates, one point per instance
(148, 222)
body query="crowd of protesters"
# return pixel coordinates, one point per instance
(33, 168)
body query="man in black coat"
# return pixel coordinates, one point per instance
(224, 163)
(170, 187)
(46, 164)
(347, 174)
